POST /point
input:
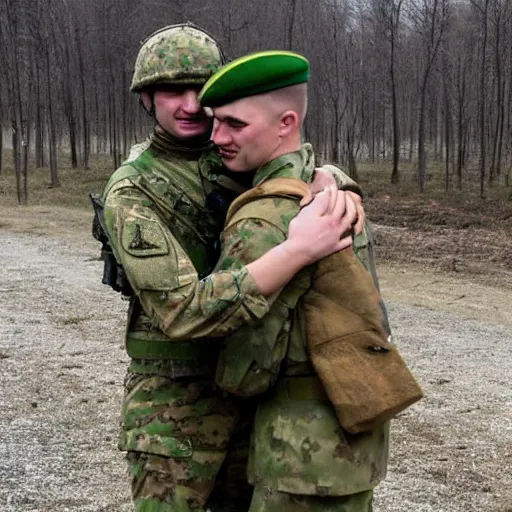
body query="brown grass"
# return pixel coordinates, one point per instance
(63, 211)
(75, 184)
(453, 230)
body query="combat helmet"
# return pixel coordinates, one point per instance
(176, 54)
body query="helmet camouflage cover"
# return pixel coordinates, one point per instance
(178, 54)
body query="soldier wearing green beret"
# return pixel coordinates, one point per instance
(300, 458)
(163, 211)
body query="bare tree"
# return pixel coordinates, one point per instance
(333, 30)
(429, 18)
(386, 76)
(10, 38)
(501, 19)
(2, 120)
(47, 41)
(460, 50)
(386, 15)
(483, 11)
(448, 119)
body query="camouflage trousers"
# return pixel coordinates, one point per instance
(187, 445)
(268, 500)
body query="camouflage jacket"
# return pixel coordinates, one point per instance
(298, 445)
(164, 235)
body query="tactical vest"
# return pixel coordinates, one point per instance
(197, 231)
(192, 226)
(362, 373)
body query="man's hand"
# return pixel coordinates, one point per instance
(321, 180)
(323, 227)
(320, 229)
(324, 179)
(360, 219)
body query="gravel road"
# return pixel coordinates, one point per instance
(61, 371)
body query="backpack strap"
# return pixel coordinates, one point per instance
(274, 187)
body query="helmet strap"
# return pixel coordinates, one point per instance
(151, 111)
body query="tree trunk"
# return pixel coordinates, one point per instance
(374, 124)
(447, 141)
(18, 122)
(86, 149)
(501, 132)
(52, 143)
(411, 131)
(483, 93)
(291, 20)
(395, 175)
(422, 158)
(493, 171)
(448, 124)
(39, 123)
(352, 166)
(461, 99)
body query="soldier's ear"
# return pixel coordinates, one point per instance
(289, 123)
(146, 101)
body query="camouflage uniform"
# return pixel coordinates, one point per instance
(176, 425)
(187, 441)
(163, 235)
(300, 458)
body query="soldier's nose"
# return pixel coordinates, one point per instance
(220, 135)
(191, 101)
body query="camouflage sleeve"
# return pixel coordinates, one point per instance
(166, 281)
(250, 358)
(343, 181)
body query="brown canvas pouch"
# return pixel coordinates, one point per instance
(364, 375)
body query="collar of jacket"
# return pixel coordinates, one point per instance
(297, 164)
(166, 143)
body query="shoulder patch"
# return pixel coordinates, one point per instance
(144, 238)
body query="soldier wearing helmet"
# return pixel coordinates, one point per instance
(177, 54)
(163, 212)
(172, 65)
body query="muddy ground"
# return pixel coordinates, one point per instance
(446, 274)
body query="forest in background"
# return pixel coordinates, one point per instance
(394, 83)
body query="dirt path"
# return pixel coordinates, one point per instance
(62, 365)
(61, 373)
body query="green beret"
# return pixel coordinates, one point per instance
(255, 73)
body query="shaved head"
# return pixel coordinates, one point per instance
(293, 98)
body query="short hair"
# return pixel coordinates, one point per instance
(294, 97)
